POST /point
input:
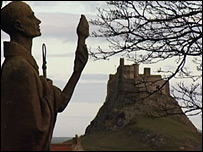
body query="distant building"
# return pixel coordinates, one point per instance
(128, 79)
(61, 147)
(75, 145)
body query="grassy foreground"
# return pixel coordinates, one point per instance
(145, 134)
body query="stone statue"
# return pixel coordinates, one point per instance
(29, 102)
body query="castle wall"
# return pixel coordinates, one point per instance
(112, 84)
(128, 79)
(143, 86)
(136, 70)
(147, 72)
(128, 72)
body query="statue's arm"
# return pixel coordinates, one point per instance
(81, 57)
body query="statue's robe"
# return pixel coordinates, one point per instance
(29, 106)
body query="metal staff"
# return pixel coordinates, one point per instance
(44, 67)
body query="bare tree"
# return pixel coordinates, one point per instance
(154, 31)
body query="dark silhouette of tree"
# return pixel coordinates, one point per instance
(155, 31)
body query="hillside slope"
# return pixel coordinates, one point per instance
(145, 134)
(131, 120)
(129, 126)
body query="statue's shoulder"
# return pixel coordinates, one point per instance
(17, 67)
(16, 63)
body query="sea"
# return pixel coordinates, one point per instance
(56, 140)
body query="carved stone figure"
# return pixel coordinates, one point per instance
(29, 102)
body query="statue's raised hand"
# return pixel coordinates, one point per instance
(83, 27)
(81, 52)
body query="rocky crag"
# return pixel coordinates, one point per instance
(135, 116)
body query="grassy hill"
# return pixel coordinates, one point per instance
(145, 134)
(127, 122)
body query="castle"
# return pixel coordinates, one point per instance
(127, 116)
(128, 79)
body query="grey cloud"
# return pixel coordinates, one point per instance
(92, 79)
(59, 25)
(88, 92)
(43, 3)
(169, 67)
(63, 26)
(76, 117)
(61, 55)
(98, 77)
(88, 7)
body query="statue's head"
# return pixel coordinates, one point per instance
(18, 18)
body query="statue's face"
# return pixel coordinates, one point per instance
(29, 23)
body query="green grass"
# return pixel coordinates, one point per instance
(113, 141)
(171, 134)
(176, 133)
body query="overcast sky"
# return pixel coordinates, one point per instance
(59, 20)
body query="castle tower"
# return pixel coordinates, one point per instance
(136, 70)
(120, 72)
(120, 69)
(121, 61)
(147, 72)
